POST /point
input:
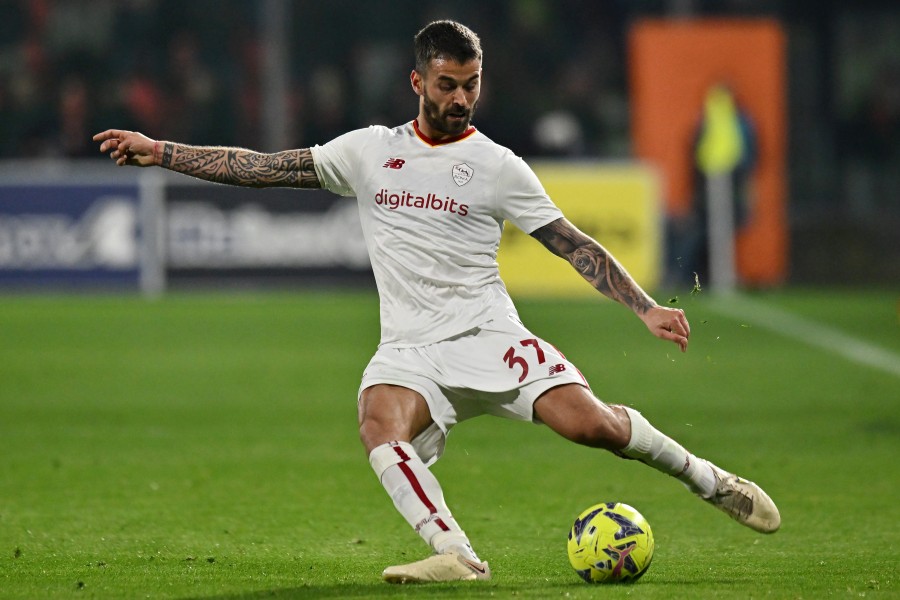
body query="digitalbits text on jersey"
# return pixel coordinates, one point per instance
(404, 199)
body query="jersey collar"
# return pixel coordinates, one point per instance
(450, 140)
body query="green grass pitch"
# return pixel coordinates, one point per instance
(204, 446)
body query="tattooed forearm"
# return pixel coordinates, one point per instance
(236, 166)
(594, 263)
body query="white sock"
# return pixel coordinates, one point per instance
(417, 495)
(664, 454)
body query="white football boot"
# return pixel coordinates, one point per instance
(439, 567)
(744, 501)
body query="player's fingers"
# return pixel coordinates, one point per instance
(108, 145)
(109, 133)
(673, 334)
(679, 339)
(679, 326)
(684, 323)
(121, 155)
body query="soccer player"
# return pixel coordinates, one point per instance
(433, 195)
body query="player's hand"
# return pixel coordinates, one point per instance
(129, 147)
(668, 324)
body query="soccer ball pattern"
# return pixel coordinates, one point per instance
(610, 543)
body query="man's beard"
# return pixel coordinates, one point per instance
(441, 122)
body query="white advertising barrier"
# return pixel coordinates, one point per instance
(92, 224)
(260, 236)
(62, 227)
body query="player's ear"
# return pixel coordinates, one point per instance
(418, 84)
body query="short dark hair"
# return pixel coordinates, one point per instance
(447, 40)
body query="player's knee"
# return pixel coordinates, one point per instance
(373, 433)
(374, 422)
(621, 424)
(391, 414)
(609, 430)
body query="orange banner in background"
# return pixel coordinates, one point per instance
(672, 66)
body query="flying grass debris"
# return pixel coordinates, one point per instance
(697, 289)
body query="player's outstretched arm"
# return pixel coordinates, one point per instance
(604, 272)
(233, 166)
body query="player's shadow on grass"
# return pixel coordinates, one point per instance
(384, 590)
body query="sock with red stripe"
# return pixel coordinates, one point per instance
(417, 495)
(665, 454)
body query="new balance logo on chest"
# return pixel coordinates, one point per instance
(394, 163)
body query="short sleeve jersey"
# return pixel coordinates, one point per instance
(432, 214)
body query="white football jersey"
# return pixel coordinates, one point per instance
(432, 214)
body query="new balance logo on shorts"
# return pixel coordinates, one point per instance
(554, 369)
(394, 163)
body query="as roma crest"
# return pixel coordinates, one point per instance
(462, 174)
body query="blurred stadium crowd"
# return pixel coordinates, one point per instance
(191, 71)
(555, 85)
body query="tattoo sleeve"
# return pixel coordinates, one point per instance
(594, 263)
(237, 166)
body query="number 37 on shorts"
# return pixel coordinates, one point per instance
(530, 355)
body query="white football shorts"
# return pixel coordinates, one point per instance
(498, 368)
